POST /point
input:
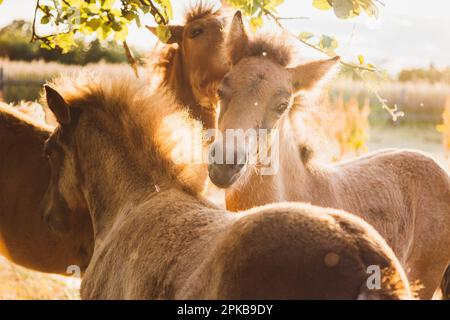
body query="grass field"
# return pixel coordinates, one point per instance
(17, 283)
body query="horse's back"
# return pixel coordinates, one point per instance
(293, 251)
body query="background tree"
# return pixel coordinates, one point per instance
(15, 45)
(110, 19)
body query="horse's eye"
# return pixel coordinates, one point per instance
(196, 32)
(281, 108)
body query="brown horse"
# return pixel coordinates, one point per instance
(24, 176)
(157, 238)
(193, 63)
(405, 195)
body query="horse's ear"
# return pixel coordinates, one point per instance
(176, 33)
(57, 104)
(306, 76)
(236, 42)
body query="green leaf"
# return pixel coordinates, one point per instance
(104, 31)
(167, 7)
(130, 16)
(45, 19)
(369, 8)
(256, 23)
(361, 59)
(345, 9)
(65, 41)
(107, 4)
(321, 4)
(94, 24)
(163, 33)
(92, 7)
(76, 3)
(305, 35)
(116, 26)
(121, 35)
(327, 42)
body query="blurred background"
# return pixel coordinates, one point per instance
(406, 105)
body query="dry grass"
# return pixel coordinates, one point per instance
(28, 77)
(17, 283)
(346, 123)
(41, 71)
(420, 101)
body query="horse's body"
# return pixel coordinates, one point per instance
(24, 175)
(156, 238)
(405, 195)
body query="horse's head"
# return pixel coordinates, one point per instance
(63, 194)
(200, 49)
(255, 94)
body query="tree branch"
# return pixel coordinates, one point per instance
(279, 24)
(154, 11)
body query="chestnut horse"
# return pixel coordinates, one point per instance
(24, 176)
(405, 195)
(157, 238)
(192, 64)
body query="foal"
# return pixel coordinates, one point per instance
(157, 238)
(405, 195)
(24, 238)
(24, 176)
(193, 63)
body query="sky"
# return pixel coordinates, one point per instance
(407, 34)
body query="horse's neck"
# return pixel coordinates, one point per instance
(178, 79)
(117, 184)
(294, 180)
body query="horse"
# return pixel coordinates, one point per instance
(24, 175)
(156, 237)
(192, 63)
(186, 71)
(404, 194)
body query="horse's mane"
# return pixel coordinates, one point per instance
(146, 120)
(16, 120)
(200, 11)
(274, 47)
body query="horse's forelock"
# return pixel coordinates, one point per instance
(200, 10)
(271, 47)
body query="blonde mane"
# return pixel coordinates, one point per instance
(146, 119)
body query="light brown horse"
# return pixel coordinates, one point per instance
(193, 63)
(187, 70)
(24, 176)
(157, 238)
(404, 194)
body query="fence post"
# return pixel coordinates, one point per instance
(2, 85)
